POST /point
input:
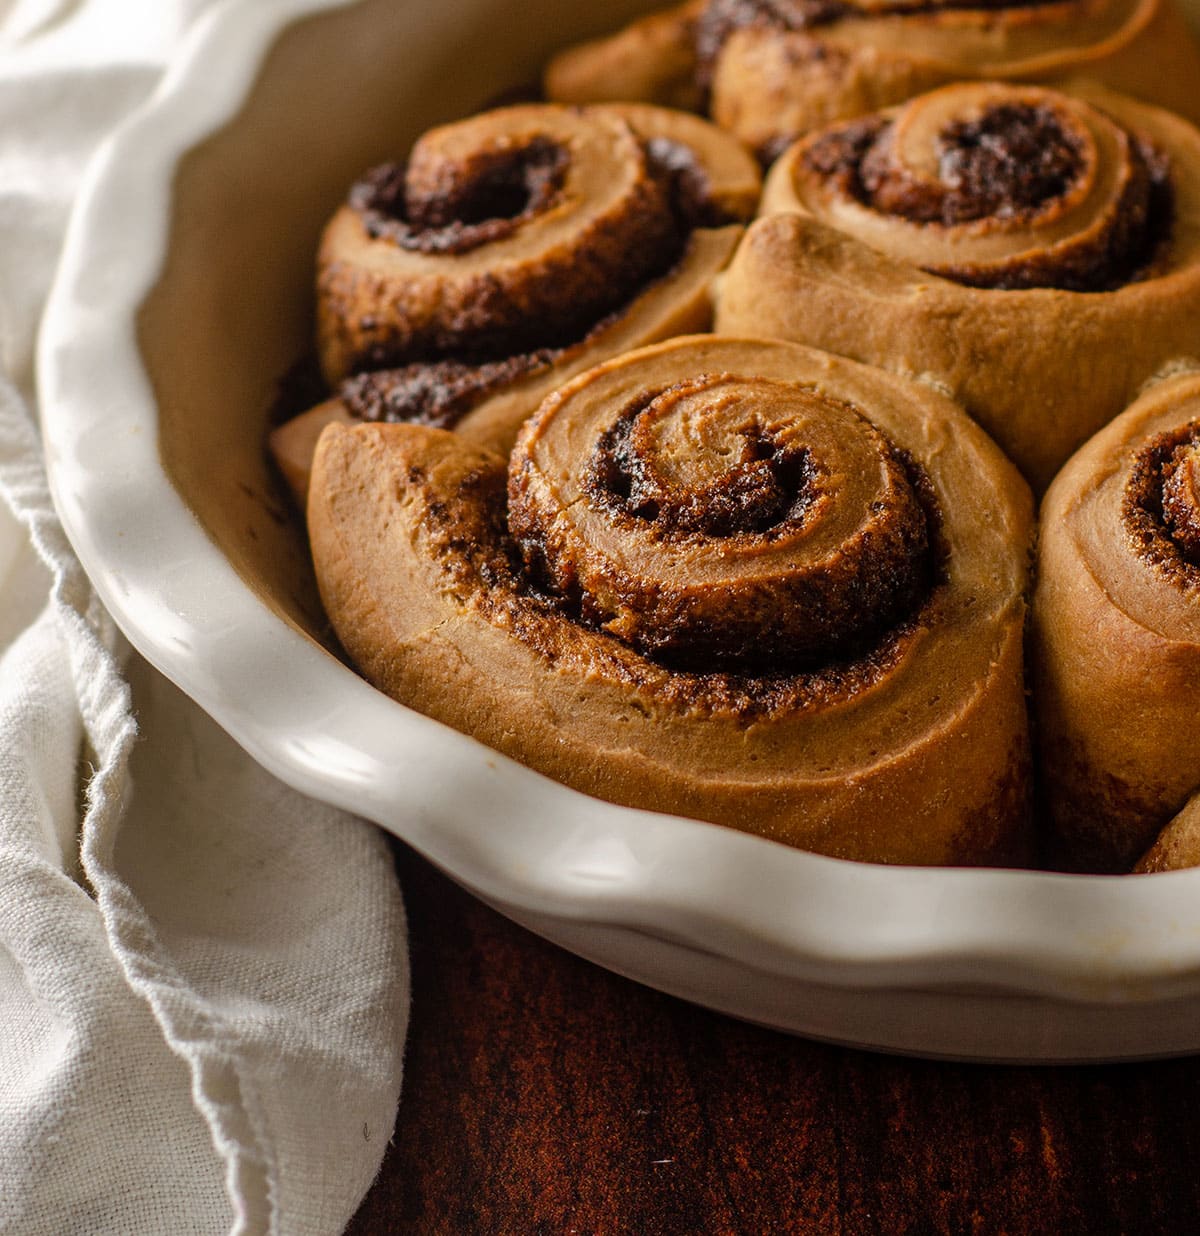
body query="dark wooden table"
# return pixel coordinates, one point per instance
(544, 1096)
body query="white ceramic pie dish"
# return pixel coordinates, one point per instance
(185, 293)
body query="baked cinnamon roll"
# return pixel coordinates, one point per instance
(771, 71)
(512, 250)
(737, 580)
(1036, 254)
(1116, 625)
(1178, 845)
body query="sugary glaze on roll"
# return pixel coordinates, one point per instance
(511, 250)
(1117, 631)
(1035, 253)
(737, 580)
(773, 70)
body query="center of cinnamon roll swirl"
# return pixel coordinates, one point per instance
(1034, 189)
(1009, 161)
(726, 522)
(433, 205)
(1161, 508)
(760, 478)
(518, 231)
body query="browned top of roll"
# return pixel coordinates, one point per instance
(991, 185)
(887, 505)
(634, 602)
(652, 58)
(726, 519)
(504, 229)
(1116, 630)
(1127, 504)
(518, 230)
(768, 522)
(1000, 37)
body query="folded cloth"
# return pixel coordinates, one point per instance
(203, 975)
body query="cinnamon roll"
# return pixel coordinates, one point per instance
(1177, 846)
(512, 250)
(1116, 626)
(652, 60)
(773, 70)
(738, 580)
(1036, 254)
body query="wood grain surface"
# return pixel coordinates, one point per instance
(544, 1096)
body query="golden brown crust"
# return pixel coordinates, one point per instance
(770, 89)
(677, 304)
(580, 227)
(1117, 640)
(652, 60)
(910, 748)
(466, 317)
(777, 70)
(517, 229)
(772, 85)
(1040, 368)
(1177, 846)
(990, 185)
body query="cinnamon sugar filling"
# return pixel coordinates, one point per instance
(1161, 505)
(554, 297)
(744, 507)
(754, 687)
(437, 393)
(1012, 165)
(468, 533)
(430, 207)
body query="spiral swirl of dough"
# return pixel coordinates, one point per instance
(510, 252)
(1034, 254)
(988, 185)
(720, 516)
(771, 71)
(1117, 630)
(737, 580)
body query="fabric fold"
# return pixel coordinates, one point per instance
(203, 974)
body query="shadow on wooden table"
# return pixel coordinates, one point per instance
(544, 1096)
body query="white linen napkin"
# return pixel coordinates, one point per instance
(203, 975)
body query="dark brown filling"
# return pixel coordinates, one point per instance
(688, 187)
(762, 685)
(437, 393)
(430, 206)
(1161, 505)
(1012, 163)
(451, 211)
(765, 685)
(441, 392)
(1006, 164)
(768, 484)
(796, 617)
(1181, 500)
(443, 208)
